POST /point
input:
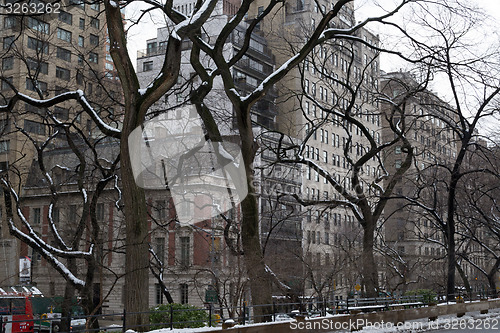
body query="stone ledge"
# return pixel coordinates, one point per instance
(394, 316)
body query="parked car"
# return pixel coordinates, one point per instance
(282, 317)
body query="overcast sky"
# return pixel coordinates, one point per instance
(367, 8)
(138, 35)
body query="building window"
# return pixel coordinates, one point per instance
(160, 248)
(34, 127)
(9, 22)
(72, 214)
(185, 251)
(8, 42)
(95, 6)
(93, 57)
(38, 25)
(37, 66)
(94, 23)
(81, 41)
(65, 17)
(147, 66)
(151, 48)
(61, 90)
(55, 215)
(61, 113)
(159, 294)
(5, 83)
(81, 24)
(31, 86)
(94, 40)
(63, 54)
(37, 45)
(63, 73)
(79, 77)
(4, 166)
(183, 288)
(397, 164)
(36, 216)
(7, 63)
(64, 35)
(100, 212)
(4, 146)
(161, 209)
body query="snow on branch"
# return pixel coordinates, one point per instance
(35, 240)
(276, 279)
(194, 22)
(105, 128)
(31, 241)
(77, 95)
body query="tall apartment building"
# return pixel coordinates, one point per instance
(279, 228)
(42, 56)
(312, 100)
(416, 245)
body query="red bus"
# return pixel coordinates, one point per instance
(16, 313)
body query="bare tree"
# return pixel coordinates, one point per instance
(477, 215)
(138, 101)
(470, 76)
(79, 169)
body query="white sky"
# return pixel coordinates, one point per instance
(138, 35)
(367, 8)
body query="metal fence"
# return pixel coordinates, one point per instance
(244, 314)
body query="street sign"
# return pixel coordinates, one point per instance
(211, 296)
(357, 287)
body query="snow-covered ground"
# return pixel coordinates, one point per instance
(473, 321)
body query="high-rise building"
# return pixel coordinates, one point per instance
(60, 48)
(280, 220)
(416, 244)
(313, 100)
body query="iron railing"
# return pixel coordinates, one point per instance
(242, 314)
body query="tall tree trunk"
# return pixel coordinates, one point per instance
(87, 293)
(464, 279)
(491, 278)
(69, 293)
(450, 233)
(493, 285)
(260, 284)
(136, 234)
(450, 282)
(369, 269)
(260, 279)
